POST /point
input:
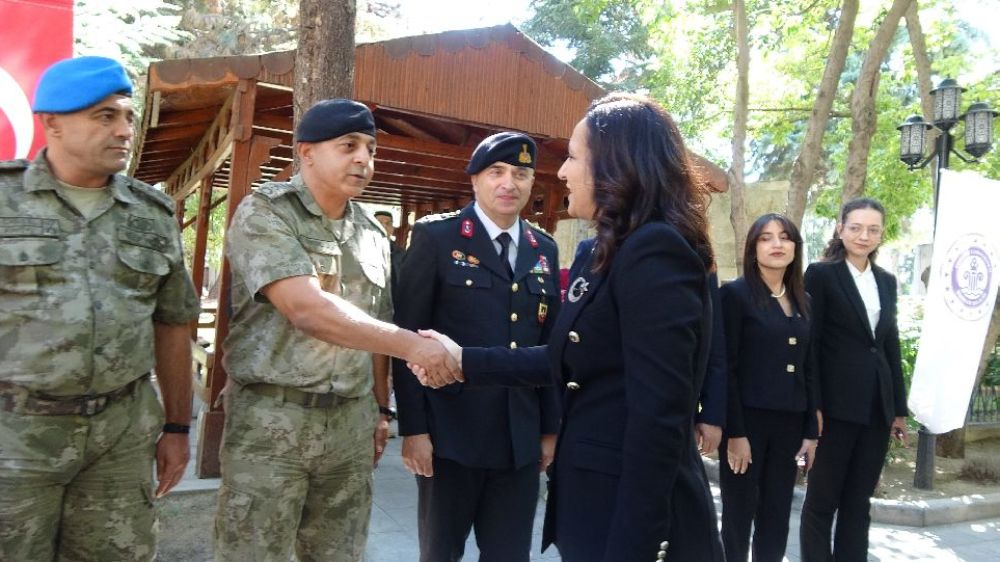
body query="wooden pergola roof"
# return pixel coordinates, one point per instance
(434, 98)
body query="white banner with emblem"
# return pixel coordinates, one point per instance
(960, 298)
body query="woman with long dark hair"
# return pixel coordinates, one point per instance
(629, 347)
(771, 419)
(855, 354)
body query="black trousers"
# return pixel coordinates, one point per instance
(762, 496)
(499, 504)
(848, 465)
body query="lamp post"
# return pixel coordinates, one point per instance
(912, 138)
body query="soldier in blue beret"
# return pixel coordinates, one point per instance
(93, 294)
(484, 276)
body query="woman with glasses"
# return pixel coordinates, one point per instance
(771, 419)
(861, 398)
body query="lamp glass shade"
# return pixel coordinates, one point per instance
(979, 129)
(947, 100)
(912, 137)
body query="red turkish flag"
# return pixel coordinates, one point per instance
(36, 33)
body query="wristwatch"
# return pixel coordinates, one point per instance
(387, 412)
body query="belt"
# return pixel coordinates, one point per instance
(296, 396)
(36, 405)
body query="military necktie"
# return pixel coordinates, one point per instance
(504, 239)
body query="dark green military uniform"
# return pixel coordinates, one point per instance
(297, 451)
(78, 416)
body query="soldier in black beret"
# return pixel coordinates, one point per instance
(486, 277)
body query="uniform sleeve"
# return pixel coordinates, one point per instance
(262, 248)
(176, 300)
(548, 395)
(813, 280)
(894, 355)
(732, 312)
(384, 307)
(714, 389)
(416, 286)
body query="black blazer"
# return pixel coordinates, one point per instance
(629, 355)
(714, 390)
(452, 280)
(855, 368)
(767, 355)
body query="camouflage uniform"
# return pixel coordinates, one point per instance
(297, 476)
(78, 299)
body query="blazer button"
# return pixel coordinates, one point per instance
(513, 317)
(573, 337)
(513, 345)
(790, 368)
(661, 555)
(573, 385)
(513, 288)
(468, 282)
(873, 350)
(540, 280)
(664, 545)
(793, 341)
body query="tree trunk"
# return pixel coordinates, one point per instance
(923, 63)
(324, 61)
(804, 168)
(863, 117)
(737, 213)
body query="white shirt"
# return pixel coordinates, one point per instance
(493, 231)
(865, 281)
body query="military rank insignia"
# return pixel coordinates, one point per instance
(524, 157)
(467, 228)
(531, 237)
(473, 260)
(543, 312)
(456, 254)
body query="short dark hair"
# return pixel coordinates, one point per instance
(835, 250)
(793, 273)
(642, 173)
(382, 214)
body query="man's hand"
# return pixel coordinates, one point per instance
(898, 429)
(433, 364)
(172, 455)
(418, 454)
(548, 451)
(808, 452)
(738, 451)
(709, 437)
(381, 437)
(819, 420)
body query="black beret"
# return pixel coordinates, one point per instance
(332, 118)
(516, 149)
(382, 214)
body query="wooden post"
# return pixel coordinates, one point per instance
(201, 234)
(212, 418)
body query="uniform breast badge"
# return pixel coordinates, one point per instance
(577, 289)
(543, 312)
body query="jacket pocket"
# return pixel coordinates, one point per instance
(24, 263)
(597, 456)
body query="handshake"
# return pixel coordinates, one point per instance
(436, 366)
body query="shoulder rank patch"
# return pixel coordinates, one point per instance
(438, 217)
(14, 165)
(152, 193)
(272, 190)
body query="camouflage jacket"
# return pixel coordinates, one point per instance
(280, 231)
(78, 297)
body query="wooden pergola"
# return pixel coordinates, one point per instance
(219, 127)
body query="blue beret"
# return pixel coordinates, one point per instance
(332, 118)
(516, 149)
(74, 84)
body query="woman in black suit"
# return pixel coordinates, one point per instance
(861, 397)
(629, 348)
(771, 419)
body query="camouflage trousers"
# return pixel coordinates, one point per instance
(79, 488)
(294, 479)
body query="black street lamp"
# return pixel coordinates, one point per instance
(912, 138)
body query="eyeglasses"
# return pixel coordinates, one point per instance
(855, 229)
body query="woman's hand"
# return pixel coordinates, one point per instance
(428, 378)
(898, 429)
(807, 452)
(738, 453)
